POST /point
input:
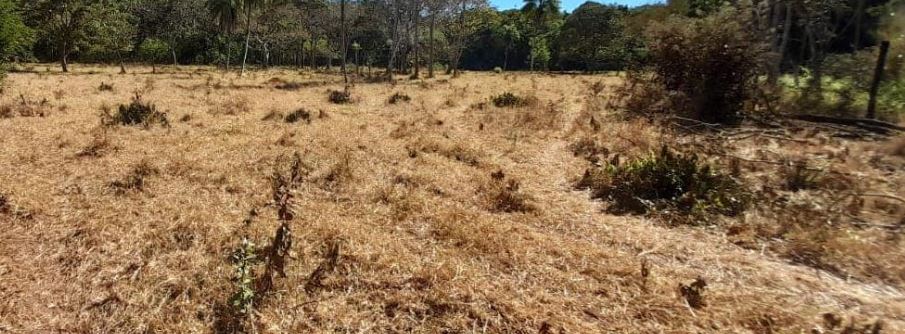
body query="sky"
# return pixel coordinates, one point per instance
(567, 5)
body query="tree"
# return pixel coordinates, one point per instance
(509, 34)
(541, 10)
(153, 50)
(15, 36)
(249, 7)
(113, 33)
(540, 51)
(594, 36)
(226, 16)
(63, 22)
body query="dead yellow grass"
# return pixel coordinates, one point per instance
(426, 234)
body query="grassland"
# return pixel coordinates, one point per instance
(444, 213)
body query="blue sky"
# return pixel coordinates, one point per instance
(567, 5)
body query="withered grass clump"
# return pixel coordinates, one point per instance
(340, 97)
(232, 107)
(799, 177)
(96, 148)
(399, 97)
(503, 194)
(25, 108)
(105, 87)
(663, 182)
(298, 115)
(135, 180)
(5, 207)
(694, 293)
(135, 113)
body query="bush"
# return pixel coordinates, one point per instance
(666, 181)
(399, 97)
(508, 99)
(299, 114)
(340, 97)
(709, 66)
(135, 113)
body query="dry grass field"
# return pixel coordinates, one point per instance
(441, 214)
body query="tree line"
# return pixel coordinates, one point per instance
(408, 36)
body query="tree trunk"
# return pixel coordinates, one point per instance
(417, 44)
(783, 44)
(878, 77)
(228, 51)
(64, 60)
(173, 51)
(859, 13)
(430, 56)
(247, 38)
(122, 65)
(342, 20)
(506, 58)
(461, 43)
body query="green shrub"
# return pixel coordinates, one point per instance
(508, 99)
(709, 67)
(135, 113)
(244, 259)
(666, 182)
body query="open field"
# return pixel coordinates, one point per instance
(442, 214)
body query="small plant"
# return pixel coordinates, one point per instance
(331, 259)
(340, 97)
(509, 100)
(135, 113)
(597, 87)
(297, 115)
(504, 195)
(135, 180)
(96, 148)
(244, 259)
(799, 177)
(497, 70)
(399, 97)
(664, 182)
(694, 293)
(105, 87)
(4, 204)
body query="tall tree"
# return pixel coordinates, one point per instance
(226, 15)
(594, 36)
(63, 22)
(112, 32)
(15, 36)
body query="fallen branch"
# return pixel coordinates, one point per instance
(862, 123)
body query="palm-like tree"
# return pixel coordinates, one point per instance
(540, 9)
(226, 13)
